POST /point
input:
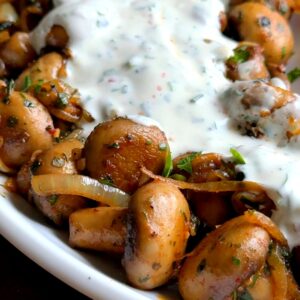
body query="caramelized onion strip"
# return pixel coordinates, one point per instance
(81, 186)
(211, 187)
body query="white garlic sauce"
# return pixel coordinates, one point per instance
(165, 60)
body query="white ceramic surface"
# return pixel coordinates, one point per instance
(96, 275)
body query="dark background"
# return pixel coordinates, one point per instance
(22, 279)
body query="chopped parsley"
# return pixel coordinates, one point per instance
(58, 162)
(267, 270)
(196, 98)
(26, 84)
(107, 180)
(293, 75)
(9, 88)
(283, 52)
(170, 86)
(178, 177)
(235, 261)
(244, 295)
(114, 145)
(285, 254)
(168, 164)
(5, 25)
(283, 8)
(144, 279)
(38, 86)
(53, 199)
(28, 103)
(254, 279)
(240, 55)
(62, 100)
(185, 164)
(237, 157)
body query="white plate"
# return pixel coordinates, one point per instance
(95, 275)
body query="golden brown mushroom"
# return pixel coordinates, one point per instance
(116, 150)
(244, 257)
(57, 160)
(255, 22)
(23, 126)
(157, 232)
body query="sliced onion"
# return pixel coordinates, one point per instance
(8, 13)
(257, 218)
(279, 275)
(5, 169)
(87, 116)
(75, 134)
(211, 187)
(79, 185)
(65, 115)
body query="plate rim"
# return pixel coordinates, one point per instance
(30, 241)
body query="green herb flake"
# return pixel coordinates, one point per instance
(149, 142)
(107, 180)
(53, 199)
(26, 84)
(62, 100)
(234, 295)
(293, 75)
(5, 25)
(185, 163)
(285, 254)
(283, 52)
(244, 295)
(144, 279)
(114, 145)
(267, 270)
(168, 164)
(38, 86)
(178, 177)
(240, 55)
(237, 157)
(235, 261)
(283, 8)
(254, 280)
(9, 88)
(196, 98)
(12, 121)
(58, 162)
(28, 103)
(170, 86)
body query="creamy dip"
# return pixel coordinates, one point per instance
(164, 60)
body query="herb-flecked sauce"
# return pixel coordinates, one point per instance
(164, 61)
